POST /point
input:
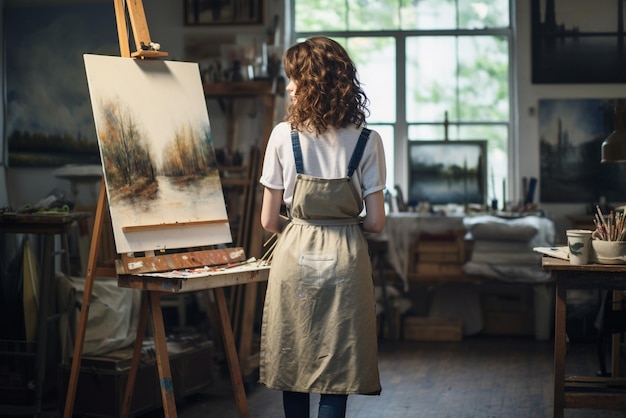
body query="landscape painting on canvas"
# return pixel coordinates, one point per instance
(156, 147)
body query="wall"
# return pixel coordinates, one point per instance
(165, 23)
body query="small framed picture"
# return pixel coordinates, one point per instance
(223, 12)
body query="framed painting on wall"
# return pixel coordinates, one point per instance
(443, 172)
(578, 41)
(223, 12)
(48, 115)
(571, 132)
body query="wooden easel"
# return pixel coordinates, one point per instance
(154, 287)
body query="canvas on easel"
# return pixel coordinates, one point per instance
(156, 146)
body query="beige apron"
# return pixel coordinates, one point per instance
(319, 321)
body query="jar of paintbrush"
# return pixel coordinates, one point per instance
(607, 244)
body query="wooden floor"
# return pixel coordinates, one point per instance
(480, 377)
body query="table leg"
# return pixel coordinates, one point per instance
(616, 339)
(559, 349)
(46, 289)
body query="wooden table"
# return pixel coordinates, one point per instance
(47, 226)
(588, 392)
(154, 286)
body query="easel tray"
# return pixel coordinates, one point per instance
(214, 278)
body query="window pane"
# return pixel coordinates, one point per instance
(427, 132)
(373, 15)
(428, 14)
(375, 60)
(443, 14)
(483, 14)
(320, 15)
(431, 78)
(483, 78)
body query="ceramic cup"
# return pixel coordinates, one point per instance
(579, 244)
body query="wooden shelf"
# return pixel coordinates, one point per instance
(239, 89)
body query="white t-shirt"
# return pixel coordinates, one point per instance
(326, 156)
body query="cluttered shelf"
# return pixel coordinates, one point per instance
(480, 269)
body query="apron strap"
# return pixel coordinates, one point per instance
(354, 160)
(297, 152)
(358, 151)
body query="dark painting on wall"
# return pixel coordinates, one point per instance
(49, 121)
(578, 41)
(571, 132)
(223, 12)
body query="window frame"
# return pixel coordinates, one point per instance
(401, 125)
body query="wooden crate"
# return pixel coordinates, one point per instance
(438, 269)
(438, 257)
(417, 328)
(102, 381)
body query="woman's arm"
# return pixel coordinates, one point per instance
(374, 220)
(270, 210)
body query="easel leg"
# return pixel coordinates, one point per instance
(231, 353)
(134, 365)
(79, 343)
(162, 358)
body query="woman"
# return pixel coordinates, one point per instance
(319, 320)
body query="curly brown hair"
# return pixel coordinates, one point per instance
(328, 90)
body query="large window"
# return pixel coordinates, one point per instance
(433, 70)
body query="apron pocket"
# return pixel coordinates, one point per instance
(318, 270)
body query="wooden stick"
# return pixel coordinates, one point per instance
(135, 228)
(270, 251)
(274, 235)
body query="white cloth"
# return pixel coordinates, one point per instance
(326, 156)
(504, 252)
(503, 248)
(537, 231)
(113, 315)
